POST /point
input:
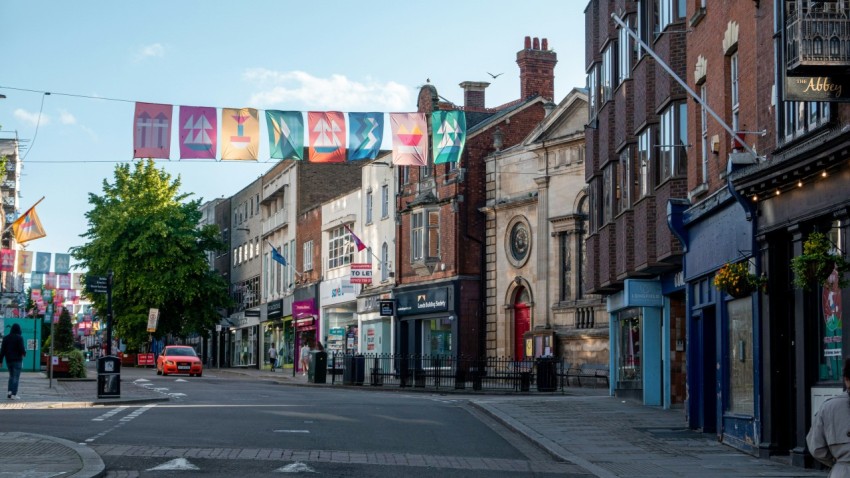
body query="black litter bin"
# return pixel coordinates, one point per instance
(547, 376)
(108, 377)
(318, 367)
(354, 371)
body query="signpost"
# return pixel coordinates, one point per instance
(153, 319)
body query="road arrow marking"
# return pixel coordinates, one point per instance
(175, 464)
(180, 380)
(296, 467)
(140, 380)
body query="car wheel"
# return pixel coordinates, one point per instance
(199, 374)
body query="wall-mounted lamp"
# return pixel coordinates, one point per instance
(498, 139)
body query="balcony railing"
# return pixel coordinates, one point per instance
(817, 37)
(277, 220)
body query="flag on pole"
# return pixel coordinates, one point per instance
(360, 245)
(28, 227)
(276, 256)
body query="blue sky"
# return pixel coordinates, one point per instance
(311, 55)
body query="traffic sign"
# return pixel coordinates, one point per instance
(97, 284)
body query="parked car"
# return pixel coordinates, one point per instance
(179, 359)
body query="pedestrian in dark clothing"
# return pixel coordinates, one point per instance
(12, 350)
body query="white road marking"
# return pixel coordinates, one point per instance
(296, 467)
(181, 380)
(109, 414)
(175, 464)
(176, 395)
(121, 422)
(139, 380)
(292, 431)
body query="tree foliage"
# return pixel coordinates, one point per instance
(64, 333)
(145, 231)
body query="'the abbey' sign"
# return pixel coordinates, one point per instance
(817, 88)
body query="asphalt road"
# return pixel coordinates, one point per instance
(236, 426)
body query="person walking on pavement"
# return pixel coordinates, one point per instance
(12, 350)
(305, 358)
(829, 437)
(272, 356)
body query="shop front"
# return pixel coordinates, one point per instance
(636, 345)
(339, 315)
(305, 323)
(244, 339)
(427, 321)
(278, 332)
(375, 323)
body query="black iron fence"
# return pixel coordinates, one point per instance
(447, 372)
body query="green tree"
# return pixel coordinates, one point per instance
(145, 231)
(64, 333)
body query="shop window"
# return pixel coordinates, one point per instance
(830, 358)
(437, 338)
(629, 350)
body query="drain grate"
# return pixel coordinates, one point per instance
(35, 449)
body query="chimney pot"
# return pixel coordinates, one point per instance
(528, 43)
(545, 44)
(536, 44)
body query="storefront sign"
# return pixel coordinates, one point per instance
(361, 273)
(274, 309)
(817, 88)
(305, 322)
(643, 293)
(387, 308)
(304, 308)
(336, 291)
(423, 302)
(252, 313)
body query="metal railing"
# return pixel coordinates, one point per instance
(443, 372)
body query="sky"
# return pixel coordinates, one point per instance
(302, 56)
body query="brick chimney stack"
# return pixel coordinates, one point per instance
(473, 94)
(537, 69)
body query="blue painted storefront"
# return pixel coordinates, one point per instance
(720, 361)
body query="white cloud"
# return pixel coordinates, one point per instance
(31, 118)
(66, 118)
(147, 51)
(338, 92)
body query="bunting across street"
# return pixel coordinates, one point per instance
(328, 136)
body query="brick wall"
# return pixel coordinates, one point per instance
(309, 229)
(536, 69)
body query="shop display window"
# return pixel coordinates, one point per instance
(437, 337)
(629, 351)
(741, 387)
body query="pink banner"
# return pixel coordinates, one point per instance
(7, 260)
(327, 136)
(410, 139)
(198, 132)
(152, 131)
(50, 280)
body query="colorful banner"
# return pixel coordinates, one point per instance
(36, 281)
(366, 131)
(62, 263)
(198, 132)
(42, 262)
(64, 281)
(152, 131)
(286, 134)
(7, 260)
(327, 136)
(50, 281)
(77, 281)
(240, 134)
(24, 262)
(410, 141)
(449, 131)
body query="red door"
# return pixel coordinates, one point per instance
(522, 323)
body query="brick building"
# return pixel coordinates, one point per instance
(441, 230)
(636, 163)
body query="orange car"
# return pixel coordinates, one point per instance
(179, 359)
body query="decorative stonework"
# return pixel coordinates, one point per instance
(518, 241)
(730, 38)
(700, 69)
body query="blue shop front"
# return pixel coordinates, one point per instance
(723, 349)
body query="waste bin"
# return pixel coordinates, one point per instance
(108, 377)
(318, 371)
(547, 376)
(354, 371)
(524, 381)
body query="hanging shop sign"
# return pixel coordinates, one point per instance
(817, 88)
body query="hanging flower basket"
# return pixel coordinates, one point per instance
(813, 268)
(735, 279)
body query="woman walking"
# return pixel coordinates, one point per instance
(12, 350)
